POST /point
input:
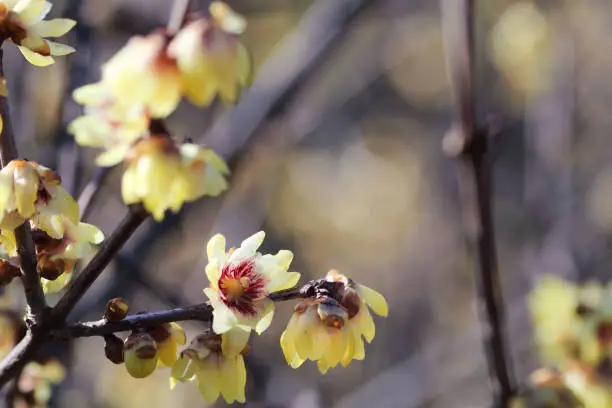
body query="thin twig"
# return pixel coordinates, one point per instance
(91, 190)
(471, 144)
(200, 312)
(178, 15)
(35, 297)
(109, 248)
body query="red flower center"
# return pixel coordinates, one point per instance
(241, 286)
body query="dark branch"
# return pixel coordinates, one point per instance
(471, 144)
(109, 248)
(91, 190)
(25, 246)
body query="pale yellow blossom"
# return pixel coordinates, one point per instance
(241, 280)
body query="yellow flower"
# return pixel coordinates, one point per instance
(163, 176)
(37, 379)
(141, 73)
(216, 365)
(22, 22)
(107, 123)
(56, 258)
(240, 281)
(329, 330)
(210, 58)
(10, 323)
(168, 337)
(553, 304)
(29, 190)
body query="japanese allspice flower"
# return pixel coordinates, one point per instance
(22, 22)
(330, 331)
(240, 281)
(215, 363)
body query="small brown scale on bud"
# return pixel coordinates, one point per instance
(116, 310)
(604, 333)
(8, 272)
(160, 332)
(113, 348)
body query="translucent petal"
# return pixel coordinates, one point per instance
(223, 319)
(29, 10)
(178, 370)
(166, 352)
(215, 250)
(178, 334)
(59, 50)
(350, 350)
(34, 58)
(234, 341)
(287, 281)
(90, 233)
(113, 156)
(207, 381)
(266, 318)
(226, 18)
(95, 93)
(374, 299)
(53, 28)
(244, 66)
(210, 156)
(365, 323)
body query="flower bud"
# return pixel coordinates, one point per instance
(52, 269)
(116, 309)
(351, 302)
(8, 272)
(332, 314)
(113, 348)
(140, 354)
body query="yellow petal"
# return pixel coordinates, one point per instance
(34, 58)
(113, 156)
(54, 28)
(223, 319)
(178, 370)
(266, 317)
(215, 250)
(234, 341)
(365, 323)
(374, 299)
(350, 350)
(178, 334)
(226, 18)
(207, 381)
(59, 50)
(166, 352)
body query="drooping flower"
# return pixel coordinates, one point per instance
(240, 281)
(210, 57)
(330, 330)
(140, 354)
(56, 258)
(22, 22)
(216, 364)
(168, 337)
(142, 74)
(29, 190)
(163, 176)
(107, 123)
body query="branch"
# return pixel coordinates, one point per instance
(109, 248)
(25, 246)
(470, 143)
(200, 312)
(91, 190)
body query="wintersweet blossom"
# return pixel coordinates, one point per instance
(330, 331)
(107, 123)
(22, 21)
(216, 364)
(163, 176)
(240, 281)
(210, 57)
(29, 190)
(56, 258)
(168, 337)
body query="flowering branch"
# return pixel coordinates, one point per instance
(470, 143)
(25, 246)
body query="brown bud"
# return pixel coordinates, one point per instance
(351, 302)
(160, 332)
(51, 269)
(8, 272)
(332, 314)
(116, 310)
(604, 333)
(113, 348)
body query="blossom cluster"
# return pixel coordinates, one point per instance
(32, 193)
(328, 326)
(145, 81)
(573, 328)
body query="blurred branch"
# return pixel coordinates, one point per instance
(470, 144)
(25, 245)
(91, 190)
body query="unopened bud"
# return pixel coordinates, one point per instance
(140, 354)
(116, 309)
(51, 269)
(332, 314)
(351, 302)
(113, 348)
(8, 272)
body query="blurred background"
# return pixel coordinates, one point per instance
(335, 153)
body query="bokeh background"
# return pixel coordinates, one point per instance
(336, 154)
